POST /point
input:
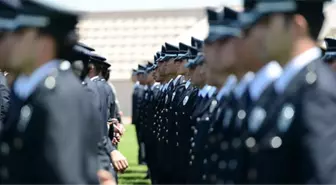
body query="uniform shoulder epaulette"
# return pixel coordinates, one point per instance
(50, 81)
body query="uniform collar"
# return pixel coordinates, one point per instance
(176, 79)
(263, 78)
(294, 66)
(154, 85)
(205, 90)
(95, 77)
(227, 87)
(243, 84)
(24, 86)
(187, 84)
(211, 91)
(201, 91)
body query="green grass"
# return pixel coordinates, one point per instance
(135, 174)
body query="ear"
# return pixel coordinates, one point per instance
(300, 24)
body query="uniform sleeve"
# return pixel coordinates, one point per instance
(109, 146)
(319, 135)
(4, 90)
(65, 144)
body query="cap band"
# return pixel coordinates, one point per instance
(224, 30)
(247, 17)
(32, 20)
(170, 55)
(330, 53)
(269, 7)
(8, 24)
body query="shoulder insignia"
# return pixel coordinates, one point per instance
(185, 100)
(227, 117)
(65, 65)
(311, 77)
(213, 105)
(286, 117)
(257, 116)
(241, 115)
(50, 82)
(218, 112)
(166, 99)
(174, 93)
(25, 115)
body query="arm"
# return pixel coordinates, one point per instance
(318, 115)
(4, 90)
(65, 144)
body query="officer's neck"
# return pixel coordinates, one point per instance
(299, 46)
(150, 83)
(171, 76)
(240, 74)
(219, 80)
(31, 65)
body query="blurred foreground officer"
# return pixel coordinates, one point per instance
(330, 54)
(292, 142)
(7, 14)
(38, 143)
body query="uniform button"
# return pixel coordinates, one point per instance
(205, 161)
(167, 130)
(192, 157)
(166, 141)
(232, 164)
(207, 119)
(18, 143)
(195, 131)
(276, 142)
(252, 174)
(4, 172)
(224, 146)
(204, 177)
(198, 119)
(192, 144)
(214, 157)
(25, 111)
(191, 139)
(176, 113)
(190, 151)
(177, 133)
(50, 82)
(222, 165)
(250, 142)
(4, 149)
(241, 114)
(236, 142)
(190, 163)
(177, 144)
(65, 65)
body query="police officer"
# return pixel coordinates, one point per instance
(46, 97)
(117, 159)
(329, 56)
(8, 13)
(292, 140)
